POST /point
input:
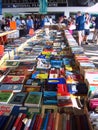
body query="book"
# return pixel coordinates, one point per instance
(13, 79)
(5, 109)
(33, 99)
(10, 122)
(11, 87)
(5, 97)
(18, 121)
(49, 97)
(19, 109)
(11, 63)
(18, 98)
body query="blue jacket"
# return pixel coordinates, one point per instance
(80, 20)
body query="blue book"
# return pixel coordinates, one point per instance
(57, 81)
(11, 123)
(50, 97)
(56, 63)
(19, 109)
(32, 122)
(3, 121)
(45, 121)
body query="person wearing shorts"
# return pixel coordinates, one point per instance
(80, 20)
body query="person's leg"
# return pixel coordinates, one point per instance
(87, 32)
(95, 35)
(79, 37)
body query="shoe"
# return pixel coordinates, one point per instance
(86, 43)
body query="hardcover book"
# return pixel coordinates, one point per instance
(18, 98)
(11, 87)
(13, 79)
(33, 99)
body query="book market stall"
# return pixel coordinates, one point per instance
(47, 83)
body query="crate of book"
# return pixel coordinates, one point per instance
(33, 99)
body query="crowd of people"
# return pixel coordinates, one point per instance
(80, 23)
(83, 24)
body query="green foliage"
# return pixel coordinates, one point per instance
(8, 14)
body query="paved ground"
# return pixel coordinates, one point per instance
(91, 50)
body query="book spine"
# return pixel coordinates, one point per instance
(28, 124)
(60, 122)
(68, 122)
(35, 123)
(64, 122)
(49, 125)
(10, 126)
(17, 121)
(46, 121)
(20, 122)
(53, 122)
(8, 122)
(39, 123)
(56, 121)
(32, 122)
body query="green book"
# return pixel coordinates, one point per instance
(5, 97)
(33, 99)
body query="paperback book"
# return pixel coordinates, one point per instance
(5, 97)
(5, 109)
(13, 79)
(33, 99)
(18, 98)
(11, 87)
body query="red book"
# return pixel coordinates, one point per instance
(39, 122)
(20, 122)
(62, 90)
(50, 121)
(36, 122)
(17, 121)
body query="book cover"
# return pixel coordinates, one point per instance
(33, 99)
(11, 63)
(18, 98)
(13, 79)
(5, 109)
(19, 109)
(5, 97)
(11, 87)
(49, 97)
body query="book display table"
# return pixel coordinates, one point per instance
(43, 86)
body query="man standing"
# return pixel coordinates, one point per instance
(95, 37)
(30, 24)
(80, 20)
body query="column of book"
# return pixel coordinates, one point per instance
(43, 84)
